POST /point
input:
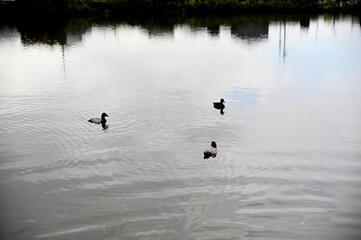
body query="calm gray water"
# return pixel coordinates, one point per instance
(289, 141)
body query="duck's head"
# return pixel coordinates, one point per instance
(213, 144)
(104, 115)
(222, 100)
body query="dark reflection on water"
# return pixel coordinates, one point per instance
(105, 126)
(69, 31)
(288, 160)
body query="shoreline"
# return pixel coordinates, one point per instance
(143, 8)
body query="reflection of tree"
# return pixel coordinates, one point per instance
(252, 27)
(160, 31)
(52, 31)
(282, 41)
(212, 24)
(246, 27)
(305, 21)
(8, 32)
(159, 27)
(39, 31)
(59, 30)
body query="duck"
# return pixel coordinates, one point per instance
(219, 105)
(100, 120)
(211, 152)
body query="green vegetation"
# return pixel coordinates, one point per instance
(141, 7)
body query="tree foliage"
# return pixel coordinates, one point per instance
(192, 6)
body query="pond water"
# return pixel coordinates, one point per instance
(289, 139)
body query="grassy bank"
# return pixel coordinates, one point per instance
(113, 7)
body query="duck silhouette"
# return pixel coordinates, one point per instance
(211, 152)
(100, 120)
(219, 105)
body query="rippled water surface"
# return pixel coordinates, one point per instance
(289, 141)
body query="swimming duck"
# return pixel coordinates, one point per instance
(101, 120)
(212, 151)
(219, 105)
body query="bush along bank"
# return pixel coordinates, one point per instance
(86, 7)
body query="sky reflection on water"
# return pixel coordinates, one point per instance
(288, 143)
